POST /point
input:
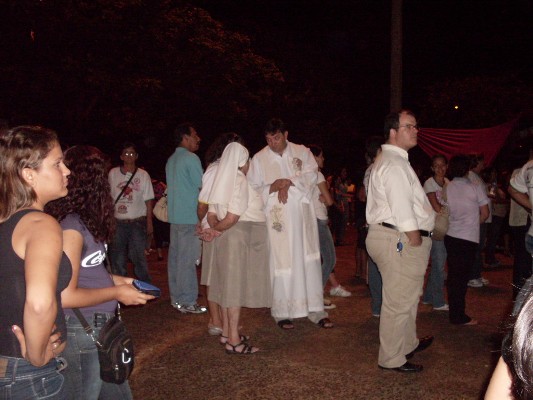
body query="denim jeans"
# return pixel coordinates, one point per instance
(130, 242)
(327, 249)
(375, 285)
(21, 380)
(434, 293)
(82, 377)
(477, 265)
(183, 252)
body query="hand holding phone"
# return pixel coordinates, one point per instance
(147, 288)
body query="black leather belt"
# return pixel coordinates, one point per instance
(422, 232)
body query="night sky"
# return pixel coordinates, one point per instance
(334, 57)
(345, 45)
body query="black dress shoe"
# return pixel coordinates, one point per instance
(407, 367)
(423, 344)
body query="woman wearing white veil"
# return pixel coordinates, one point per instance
(241, 276)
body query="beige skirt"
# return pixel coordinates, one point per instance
(240, 275)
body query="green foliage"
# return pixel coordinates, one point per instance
(127, 68)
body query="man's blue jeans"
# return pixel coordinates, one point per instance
(130, 242)
(376, 286)
(21, 380)
(327, 249)
(434, 293)
(82, 377)
(183, 252)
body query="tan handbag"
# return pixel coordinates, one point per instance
(161, 208)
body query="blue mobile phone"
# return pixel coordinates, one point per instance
(147, 288)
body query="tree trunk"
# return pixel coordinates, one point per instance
(396, 56)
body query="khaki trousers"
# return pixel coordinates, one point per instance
(403, 278)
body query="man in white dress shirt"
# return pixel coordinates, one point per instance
(400, 220)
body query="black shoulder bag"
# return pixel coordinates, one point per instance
(115, 348)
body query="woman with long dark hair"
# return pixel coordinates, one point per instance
(33, 267)
(86, 216)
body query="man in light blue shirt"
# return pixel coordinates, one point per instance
(184, 180)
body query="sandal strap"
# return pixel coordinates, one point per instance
(246, 349)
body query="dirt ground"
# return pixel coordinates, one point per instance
(177, 359)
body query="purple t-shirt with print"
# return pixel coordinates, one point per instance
(93, 274)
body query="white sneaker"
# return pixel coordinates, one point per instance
(445, 307)
(484, 281)
(339, 291)
(477, 283)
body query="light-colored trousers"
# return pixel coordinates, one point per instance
(403, 278)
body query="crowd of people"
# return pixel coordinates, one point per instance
(260, 227)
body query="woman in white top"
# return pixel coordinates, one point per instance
(240, 270)
(434, 188)
(322, 198)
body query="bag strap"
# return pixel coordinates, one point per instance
(87, 328)
(125, 186)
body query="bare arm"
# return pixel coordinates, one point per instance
(432, 197)
(500, 383)
(483, 213)
(325, 193)
(201, 210)
(228, 221)
(40, 239)
(520, 198)
(282, 187)
(149, 217)
(75, 297)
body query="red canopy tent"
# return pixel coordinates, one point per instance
(449, 142)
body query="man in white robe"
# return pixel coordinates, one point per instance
(285, 174)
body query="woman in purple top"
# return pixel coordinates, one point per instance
(468, 205)
(86, 216)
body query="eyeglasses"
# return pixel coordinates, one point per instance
(129, 153)
(409, 126)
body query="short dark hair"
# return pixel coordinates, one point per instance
(315, 149)
(439, 156)
(459, 166)
(127, 145)
(275, 125)
(392, 121)
(372, 145)
(475, 159)
(183, 129)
